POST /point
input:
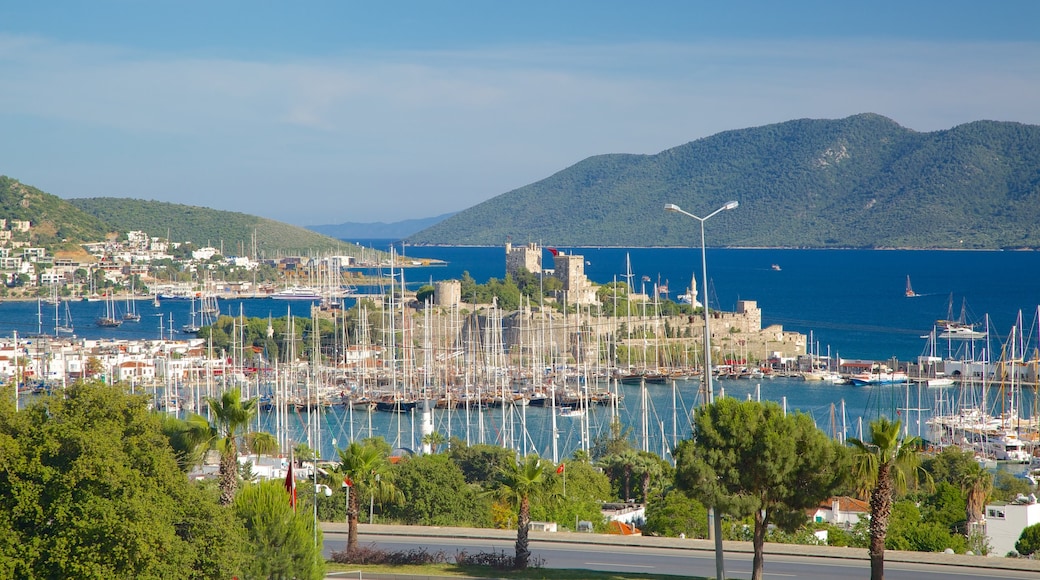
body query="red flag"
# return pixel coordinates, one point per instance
(560, 468)
(290, 486)
(347, 482)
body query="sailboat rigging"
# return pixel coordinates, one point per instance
(63, 327)
(108, 320)
(60, 327)
(131, 314)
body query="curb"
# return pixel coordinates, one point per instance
(836, 552)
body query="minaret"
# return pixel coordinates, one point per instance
(693, 292)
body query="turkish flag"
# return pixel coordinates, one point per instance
(560, 468)
(290, 486)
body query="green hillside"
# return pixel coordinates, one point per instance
(55, 223)
(209, 227)
(863, 181)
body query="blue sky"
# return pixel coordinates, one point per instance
(334, 111)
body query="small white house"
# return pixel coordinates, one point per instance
(844, 512)
(1005, 522)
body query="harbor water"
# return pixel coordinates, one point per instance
(851, 301)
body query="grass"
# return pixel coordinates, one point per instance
(456, 571)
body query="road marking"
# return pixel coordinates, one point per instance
(617, 564)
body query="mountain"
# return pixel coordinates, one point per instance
(55, 223)
(862, 181)
(378, 230)
(208, 227)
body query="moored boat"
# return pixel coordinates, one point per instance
(297, 293)
(878, 378)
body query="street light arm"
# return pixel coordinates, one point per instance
(676, 209)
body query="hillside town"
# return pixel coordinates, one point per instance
(148, 264)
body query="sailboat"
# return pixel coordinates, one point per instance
(131, 314)
(63, 327)
(193, 326)
(909, 289)
(109, 319)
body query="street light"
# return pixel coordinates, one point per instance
(709, 394)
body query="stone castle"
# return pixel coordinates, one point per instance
(735, 336)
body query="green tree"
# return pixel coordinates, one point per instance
(578, 494)
(649, 468)
(424, 293)
(435, 493)
(620, 468)
(945, 505)
(90, 488)
(366, 467)
(976, 483)
(749, 459)
(675, 513)
(519, 482)
(183, 442)
(261, 443)
(1006, 487)
(882, 466)
(949, 465)
(909, 530)
(281, 541)
(615, 441)
(480, 463)
(231, 419)
(468, 289)
(434, 440)
(1029, 541)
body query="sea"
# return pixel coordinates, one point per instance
(852, 303)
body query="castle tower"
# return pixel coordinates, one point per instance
(528, 257)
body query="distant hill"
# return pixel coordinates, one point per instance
(55, 223)
(378, 230)
(862, 181)
(208, 227)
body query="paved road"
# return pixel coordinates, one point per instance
(686, 557)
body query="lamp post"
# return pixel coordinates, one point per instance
(709, 393)
(715, 523)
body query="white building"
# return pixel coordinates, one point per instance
(1005, 522)
(844, 512)
(204, 253)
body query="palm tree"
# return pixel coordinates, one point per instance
(519, 481)
(976, 483)
(261, 443)
(619, 468)
(185, 441)
(882, 467)
(648, 466)
(434, 440)
(364, 466)
(231, 416)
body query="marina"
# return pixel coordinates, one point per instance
(567, 403)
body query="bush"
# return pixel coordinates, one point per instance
(495, 560)
(1029, 542)
(373, 555)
